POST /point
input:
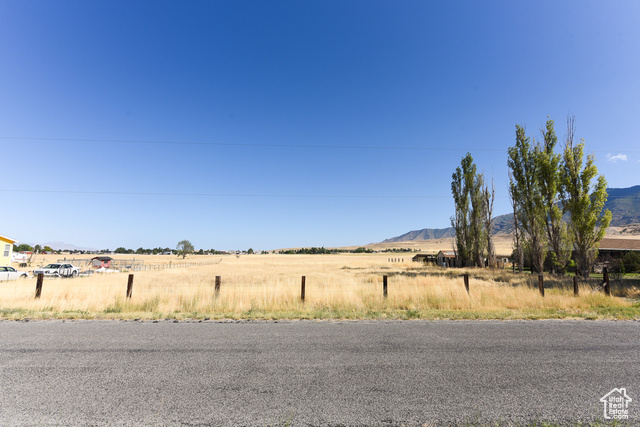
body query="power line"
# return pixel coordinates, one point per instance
(231, 144)
(239, 195)
(247, 195)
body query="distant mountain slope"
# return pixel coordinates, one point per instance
(624, 204)
(424, 234)
(502, 224)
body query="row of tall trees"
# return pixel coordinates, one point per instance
(473, 218)
(557, 199)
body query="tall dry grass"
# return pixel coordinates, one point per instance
(345, 286)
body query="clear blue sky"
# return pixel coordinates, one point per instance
(270, 124)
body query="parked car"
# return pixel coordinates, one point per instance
(58, 270)
(10, 273)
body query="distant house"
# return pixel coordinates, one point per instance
(101, 262)
(446, 258)
(617, 248)
(425, 258)
(6, 247)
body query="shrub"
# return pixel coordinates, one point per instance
(631, 262)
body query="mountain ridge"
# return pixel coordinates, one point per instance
(624, 204)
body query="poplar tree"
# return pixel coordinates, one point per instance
(488, 197)
(524, 188)
(549, 181)
(477, 220)
(468, 220)
(584, 201)
(517, 233)
(461, 182)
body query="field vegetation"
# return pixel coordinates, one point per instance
(344, 286)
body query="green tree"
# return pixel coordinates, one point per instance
(488, 198)
(526, 195)
(631, 262)
(471, 199)
(460, 219)
(184, 247)
(478, 233)
(584, 200)
(549, 181)
(518, 240)
(466, 188)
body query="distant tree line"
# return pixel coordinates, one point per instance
(23, 247)
(160, 250)
(325, 251)
(557, 199)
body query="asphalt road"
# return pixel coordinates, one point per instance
(314, 373)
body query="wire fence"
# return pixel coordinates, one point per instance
(90, 265)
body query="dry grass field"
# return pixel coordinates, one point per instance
(502, 242)
(345, 286)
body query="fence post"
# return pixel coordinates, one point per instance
(39, 285)
(605, 277)
(130, 286)
(541, 284)
(302, 288)
(466, 282)
(384, 286)
(575, 286)
(217, 287)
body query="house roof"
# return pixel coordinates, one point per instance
(620, 244)
(8, 240)
(102, 258)
(447, 254)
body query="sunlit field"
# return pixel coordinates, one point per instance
(346, 286)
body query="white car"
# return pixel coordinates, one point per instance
(58, 270)
(10, 273)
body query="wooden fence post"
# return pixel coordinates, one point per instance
(302, 288)
(384, 286)
(576, 291)
(217, 286)
(130, 286)
(605, 277)
(466, 282)
(541, 284)
(39, 285)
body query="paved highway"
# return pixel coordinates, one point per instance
(314, 373)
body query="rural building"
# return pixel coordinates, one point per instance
(101, 262)
(425, 258)
(617, 248)
(6, 245)
(446, 258)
